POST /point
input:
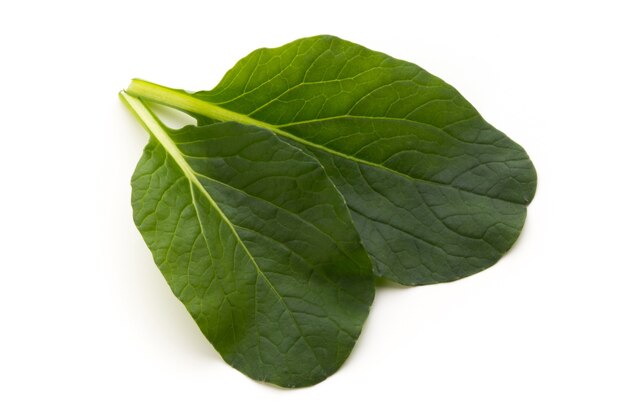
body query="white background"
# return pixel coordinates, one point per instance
(88, 326)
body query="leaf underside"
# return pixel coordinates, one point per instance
(254, 239)
(436, 192)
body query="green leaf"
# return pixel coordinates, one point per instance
(255, 240)
(436, 192)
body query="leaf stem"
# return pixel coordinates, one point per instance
(182, 100)
(156, 130)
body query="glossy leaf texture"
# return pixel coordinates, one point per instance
(255, 240)
(435, 191)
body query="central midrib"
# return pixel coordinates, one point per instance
(184, 101)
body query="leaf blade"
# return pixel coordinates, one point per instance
(279, 304)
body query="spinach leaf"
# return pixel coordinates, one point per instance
(255, 240)
(436, 192)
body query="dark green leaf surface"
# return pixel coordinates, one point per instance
(255, 240)
(435, 191)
